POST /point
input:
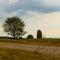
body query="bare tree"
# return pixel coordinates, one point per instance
(14, 26)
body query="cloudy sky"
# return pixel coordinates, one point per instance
(41, 15)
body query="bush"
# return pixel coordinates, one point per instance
(39, 34)
(30, 36)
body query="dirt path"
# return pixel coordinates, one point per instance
(42, 49)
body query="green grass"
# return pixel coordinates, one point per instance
(44, 42)
(13, 54)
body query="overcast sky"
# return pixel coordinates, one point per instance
(41, 15)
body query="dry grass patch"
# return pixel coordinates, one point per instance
(17, 54)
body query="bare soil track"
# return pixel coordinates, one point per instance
(42, 49)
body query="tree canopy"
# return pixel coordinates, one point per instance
(14, 26)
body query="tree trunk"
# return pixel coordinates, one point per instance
(14, 35)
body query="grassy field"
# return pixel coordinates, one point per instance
(13, 54)
(43, 42)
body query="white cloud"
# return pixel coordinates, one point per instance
(53, 32)
(2, 32)
(12, 1)
(51, 2)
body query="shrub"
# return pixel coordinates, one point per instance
(39, 34)
(30, 36)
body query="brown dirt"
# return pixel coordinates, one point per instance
(41, 49)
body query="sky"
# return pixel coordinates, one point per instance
(41, 15)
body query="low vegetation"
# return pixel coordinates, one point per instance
(13, 54)
(43, 42)
(30, 36)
